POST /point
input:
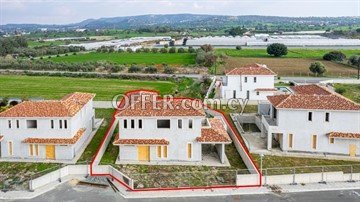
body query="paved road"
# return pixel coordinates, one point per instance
(68, 192)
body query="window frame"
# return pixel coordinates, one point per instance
(125, 123)
(255, 80)
(179, 123)
(327, 117)
(140, 123)
(167, 120)
(29, 121)
(310, 116)
(191, 124)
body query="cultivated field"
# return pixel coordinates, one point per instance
(131, 58)
(292, 53)
(56, 87)
(289, 66)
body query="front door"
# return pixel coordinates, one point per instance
(50, 152)
(352, 150)
(143, 153)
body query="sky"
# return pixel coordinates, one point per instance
(72, 11)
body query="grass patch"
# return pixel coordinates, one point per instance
(131, 58)
(351, 91)
(95, 142)
(56, 87)
(292, 53)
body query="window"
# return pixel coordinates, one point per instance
(332, 140)
(132, 123)
(60, 124)
(125, 123)
(65, 124)
(52, 124)
(327, 116)
(314, 141)
(9, 123)
(31, 123)
(10, 148)
(161, 151)
(245, 79)
(190, 123)
(247, 94)
(254, 79)
(274, 112)
(234, 94)
(179, 123)
(257, 93)
(158, 151)
(290, 140)
(310, 116)
(163, 123)
(17, 124)
(165, 152)
(189, 150)
(140, 123)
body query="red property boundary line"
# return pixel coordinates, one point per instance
(228, 122)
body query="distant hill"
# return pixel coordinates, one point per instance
(191, 21)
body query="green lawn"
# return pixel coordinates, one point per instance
(292, 53)
(351, 91)
(56, 87)
(130, 58)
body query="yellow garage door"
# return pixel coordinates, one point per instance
(50, 151)
(352, 150)
(143, 153)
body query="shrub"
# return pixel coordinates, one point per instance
(146, 50)
(166, 45)
(169, 70)
(207, 47)
(163, 50)
(238, 47)
(49, 56)
(207, 59)
(154, 50)
(277, 49)
(150, 70)
(57, 55)
(172, 50)
(41, 58)
(120, 50)
(317, 68)
(340, 90)
(74, 53)
(181, 50)
(334, 56)
(138, 50)
(191, 49)
(66, 54)
(134, 68)
(129, 50)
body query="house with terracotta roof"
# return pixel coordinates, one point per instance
(161, 130)
(313, 119)
(252, 82)
(53, 130)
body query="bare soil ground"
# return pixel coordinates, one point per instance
(290, 66)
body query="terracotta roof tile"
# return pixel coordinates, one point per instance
(216, 132)
(149, 106)
(140, 141)
(265, 89)
(66, 107)
(344, 135)
(254, 69)
(66, 141)
(311, 89)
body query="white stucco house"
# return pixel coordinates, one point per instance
(253, 82)
(313, 119)
(51, 130)
(154, 131)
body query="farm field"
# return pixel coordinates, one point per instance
(351, 91)
(292, 53)
(56, 87)
(32, 44)
(131, 58)
(289, 66)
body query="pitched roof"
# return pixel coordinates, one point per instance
(216, 132)
(344, 135)
(311, 89)
(265, 89)
(66, 141)
(140, 141)
(66, 107)
(254, 69)
(154, 106)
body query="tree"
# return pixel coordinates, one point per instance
(166, 45)
(129, 50)
(207, 48)
(154, 50)
(191, 49)
(163, 50)
(238, 47)
(169, 70)
(207, 59)
(334, 56)
(236, 31)
(181, 50)
(172, 50)
(150, 70)
(317, 68)
(355, 61)
(277, 49)
(133, 68)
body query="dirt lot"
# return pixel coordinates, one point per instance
(290, 66)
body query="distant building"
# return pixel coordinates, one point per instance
(47, 130)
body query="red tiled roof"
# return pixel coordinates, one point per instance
(216, 132)
(303, 101)
(344, 135)
(66, 107)
(1, 138)
(266, 89)
(140, 141)
(254, 69)
(73, 140)
(311, 89)
(155, 106)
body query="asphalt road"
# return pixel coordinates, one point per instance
(68, 192)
